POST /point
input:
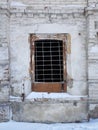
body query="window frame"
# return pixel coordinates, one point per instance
(33, 38)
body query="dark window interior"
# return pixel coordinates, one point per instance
(48, 60)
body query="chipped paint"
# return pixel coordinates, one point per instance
(68, 44)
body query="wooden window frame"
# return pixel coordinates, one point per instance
(46, 86)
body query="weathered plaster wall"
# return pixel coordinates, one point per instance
(20, 18)
(92, 3)
(92, 19)
(48, 17)
(26, 21)
(4, 61)
(50, 2)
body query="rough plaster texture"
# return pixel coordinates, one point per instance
(4, 112)
(4, 61)
(70, 25)
(19, 19)
(24, 57)
(92, 37)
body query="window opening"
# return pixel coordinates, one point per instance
(48, 60)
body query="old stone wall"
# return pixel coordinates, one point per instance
(50, 110)
(28, 19)
(51, 2)
(49, 17)
(19, 19)
(92, 19)
(4, 61)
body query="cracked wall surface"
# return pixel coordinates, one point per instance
(20, 18)
(4, 61)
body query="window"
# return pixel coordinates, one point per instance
(48, 65)
(48, 61)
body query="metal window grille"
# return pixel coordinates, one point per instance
(48, 60)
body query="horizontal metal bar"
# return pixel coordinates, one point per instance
(51, 74)
(48, 56)
(47, 70)
(48, 61)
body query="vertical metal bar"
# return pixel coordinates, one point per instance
(33, 61)
(59, 59)
(43, 61)
(51, 61)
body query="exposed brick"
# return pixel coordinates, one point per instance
(19, 19)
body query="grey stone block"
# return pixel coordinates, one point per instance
(4, 112)
(49, 111)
